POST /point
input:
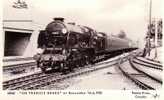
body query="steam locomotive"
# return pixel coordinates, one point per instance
(64, 46)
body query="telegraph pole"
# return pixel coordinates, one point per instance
(156, 38)
(149, 33)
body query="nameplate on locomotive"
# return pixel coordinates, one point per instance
(55, 32)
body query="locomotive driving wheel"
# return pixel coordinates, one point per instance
(70, 65)
(86, 60)
(62, 65)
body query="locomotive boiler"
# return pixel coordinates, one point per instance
(64, 46)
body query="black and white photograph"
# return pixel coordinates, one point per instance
(82, 45)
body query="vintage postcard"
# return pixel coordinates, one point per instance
(82, 48)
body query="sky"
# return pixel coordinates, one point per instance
(108, 16)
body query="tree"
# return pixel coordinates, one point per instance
(122, 34)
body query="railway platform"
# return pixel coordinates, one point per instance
(14, 60)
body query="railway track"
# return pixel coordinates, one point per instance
(149, 62)
(145, 64)
(154, 60)
(19, 67)
(149, 70)
(140, 78)
(18, 81)
(18, 59)
(38, 80)
(144, 72)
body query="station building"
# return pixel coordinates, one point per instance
(17, 28)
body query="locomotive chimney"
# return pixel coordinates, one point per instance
(59, 19)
